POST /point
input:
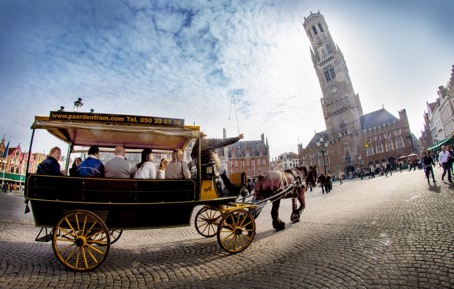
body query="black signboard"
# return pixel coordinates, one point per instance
(115, 119)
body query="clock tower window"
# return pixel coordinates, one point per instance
(329, 74)
(320, 27)
(315, 30)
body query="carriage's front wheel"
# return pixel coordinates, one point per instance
(207, 220)
(236, 231)
(81, 240)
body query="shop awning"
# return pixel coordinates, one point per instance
(436, 147)
(12, 177)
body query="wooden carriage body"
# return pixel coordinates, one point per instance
(122, 203)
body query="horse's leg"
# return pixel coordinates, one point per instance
(296, 213)
(295, 217)
(278, 224)
(302, 199)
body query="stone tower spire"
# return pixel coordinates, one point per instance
(341, 106)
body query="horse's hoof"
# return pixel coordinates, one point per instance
(279, 226)
(295, 217)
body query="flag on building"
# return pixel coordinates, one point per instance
(366, 144)
(5, 153)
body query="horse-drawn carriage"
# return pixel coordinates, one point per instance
(86, 215)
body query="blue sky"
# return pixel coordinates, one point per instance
(189, 59)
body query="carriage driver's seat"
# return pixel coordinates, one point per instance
(209, 171)
(235, 185)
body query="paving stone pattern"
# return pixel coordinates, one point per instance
(395, 232)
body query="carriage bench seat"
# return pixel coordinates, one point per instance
(108, 190)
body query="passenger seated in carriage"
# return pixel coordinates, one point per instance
(177, 168)
(161, 173)
(50, 165)
(92, 167)
(146, 169)
(118, 167)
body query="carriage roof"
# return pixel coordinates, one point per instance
(110, 130)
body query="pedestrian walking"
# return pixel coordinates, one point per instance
(429, 162)
(443, 159)
(329, 183)
(450, 158)
(389, 168)
(341, 177)
(322, 181)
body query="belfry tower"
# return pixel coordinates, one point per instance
(341, 106)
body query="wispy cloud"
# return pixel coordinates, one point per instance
(191, 59)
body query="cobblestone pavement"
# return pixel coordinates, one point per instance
(395, 232)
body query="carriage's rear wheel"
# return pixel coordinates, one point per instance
(236, 231)
(114, 236)
(207, 220)
(81, 240)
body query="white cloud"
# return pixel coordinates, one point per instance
(188, 58)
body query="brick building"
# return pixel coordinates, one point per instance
(352, 140)
(252, 157)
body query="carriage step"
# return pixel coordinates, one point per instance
(46, 237)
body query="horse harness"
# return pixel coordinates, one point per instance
(297, 184)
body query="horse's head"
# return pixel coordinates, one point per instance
(311, 176)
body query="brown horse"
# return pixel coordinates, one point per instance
(278, 184)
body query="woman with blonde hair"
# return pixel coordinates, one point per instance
(50, 165)
(162, 168)
(177, 168)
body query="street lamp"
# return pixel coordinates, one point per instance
(78, 103)
(323, 144)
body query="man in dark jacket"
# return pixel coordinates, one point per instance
(208, 149)
(91, 167)
(50, 165)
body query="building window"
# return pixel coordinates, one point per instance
(320, 27)
(330, 74)
(315, 30)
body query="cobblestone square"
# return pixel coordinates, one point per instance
(394, 232)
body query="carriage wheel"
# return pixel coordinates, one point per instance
(75, 237)
(114, 236)
(236, 231)
(207, 220)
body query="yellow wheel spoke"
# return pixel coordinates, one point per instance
(62, 250)
(77, 222)
(93, 256)
(95, 249)
(84, 255)
(70, 226)
(74, 250)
